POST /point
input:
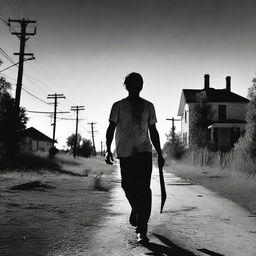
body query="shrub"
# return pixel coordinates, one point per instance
(174, 149)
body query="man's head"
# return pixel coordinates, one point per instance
(133, 82)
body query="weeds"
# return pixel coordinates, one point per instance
(98, 182)
(86, 172)
(233, 160)
(26, 161)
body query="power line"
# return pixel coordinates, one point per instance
(27, 91)
(31, 94)
(4, 54)
(47, 112)
(69, 119)
(15, 64)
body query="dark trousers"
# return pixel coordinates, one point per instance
(136, 176)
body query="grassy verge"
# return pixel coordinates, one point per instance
(44, 210)
(33, 169)
(230, 183)
(32, 162)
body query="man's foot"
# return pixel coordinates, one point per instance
(142, 238)
(133, 218)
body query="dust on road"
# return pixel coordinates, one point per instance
(195, 221)
(67, 221)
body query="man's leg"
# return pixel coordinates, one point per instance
(128, 174)
(136, 175)
(144, 192)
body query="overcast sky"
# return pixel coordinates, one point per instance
(85, 48)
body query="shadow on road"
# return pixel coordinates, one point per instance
(169, 248)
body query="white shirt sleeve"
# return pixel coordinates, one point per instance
(114, 113)
(152, 115)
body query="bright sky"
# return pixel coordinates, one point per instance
(84, 49)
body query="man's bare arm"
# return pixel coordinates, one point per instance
(154, 136)
(109, 139)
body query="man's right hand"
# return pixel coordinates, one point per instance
(109, 158)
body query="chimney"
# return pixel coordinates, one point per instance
(228, 83)
(206, 81)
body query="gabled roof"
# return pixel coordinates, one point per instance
(35, 134)
(214, 95)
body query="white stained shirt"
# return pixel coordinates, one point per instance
(132, 121)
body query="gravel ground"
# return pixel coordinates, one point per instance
(72, 218)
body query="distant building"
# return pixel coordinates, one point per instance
(228, 108)
(34, 141)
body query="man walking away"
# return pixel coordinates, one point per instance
(134, 119)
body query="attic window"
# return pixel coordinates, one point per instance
(185, 116)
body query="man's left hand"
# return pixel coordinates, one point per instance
(109, 158)
(161, 161)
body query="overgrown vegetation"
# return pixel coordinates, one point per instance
(28, 162)
(173, 148)
(10, 124)
(230, 161)
(200, 118)
(85, 147)
(246, 145)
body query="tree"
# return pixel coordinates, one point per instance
(71, 141)
(173, 148)
(86, 149)
(201, 115)
(9, 125)
(247, 143)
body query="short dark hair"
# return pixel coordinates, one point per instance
(133, 82)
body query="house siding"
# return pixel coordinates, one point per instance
(233, 110)
(222, 138)
(185, 120)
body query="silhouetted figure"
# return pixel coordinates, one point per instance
(134, 119)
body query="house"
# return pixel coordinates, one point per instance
(34, 141)
(228, 114)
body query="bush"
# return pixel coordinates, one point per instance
(52, 152)
(174, 150)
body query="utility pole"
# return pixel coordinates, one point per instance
(22, 35)
(55, 97)
(92, 132)
(77, 109)
(173, 127)
(101, 148)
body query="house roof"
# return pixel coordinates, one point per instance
(214, 95)
(227, 124)
(35, 134)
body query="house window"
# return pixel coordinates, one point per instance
(222, 112)
(185, 116)
(185, 139)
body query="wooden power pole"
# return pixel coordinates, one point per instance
(77, 109)
(92, 132)
(23, 36)
(173, 127)
(55, 97)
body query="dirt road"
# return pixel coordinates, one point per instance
(195, 221)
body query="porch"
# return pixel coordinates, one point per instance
(224, 135)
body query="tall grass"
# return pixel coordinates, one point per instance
(233, 160)
(27, 161)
